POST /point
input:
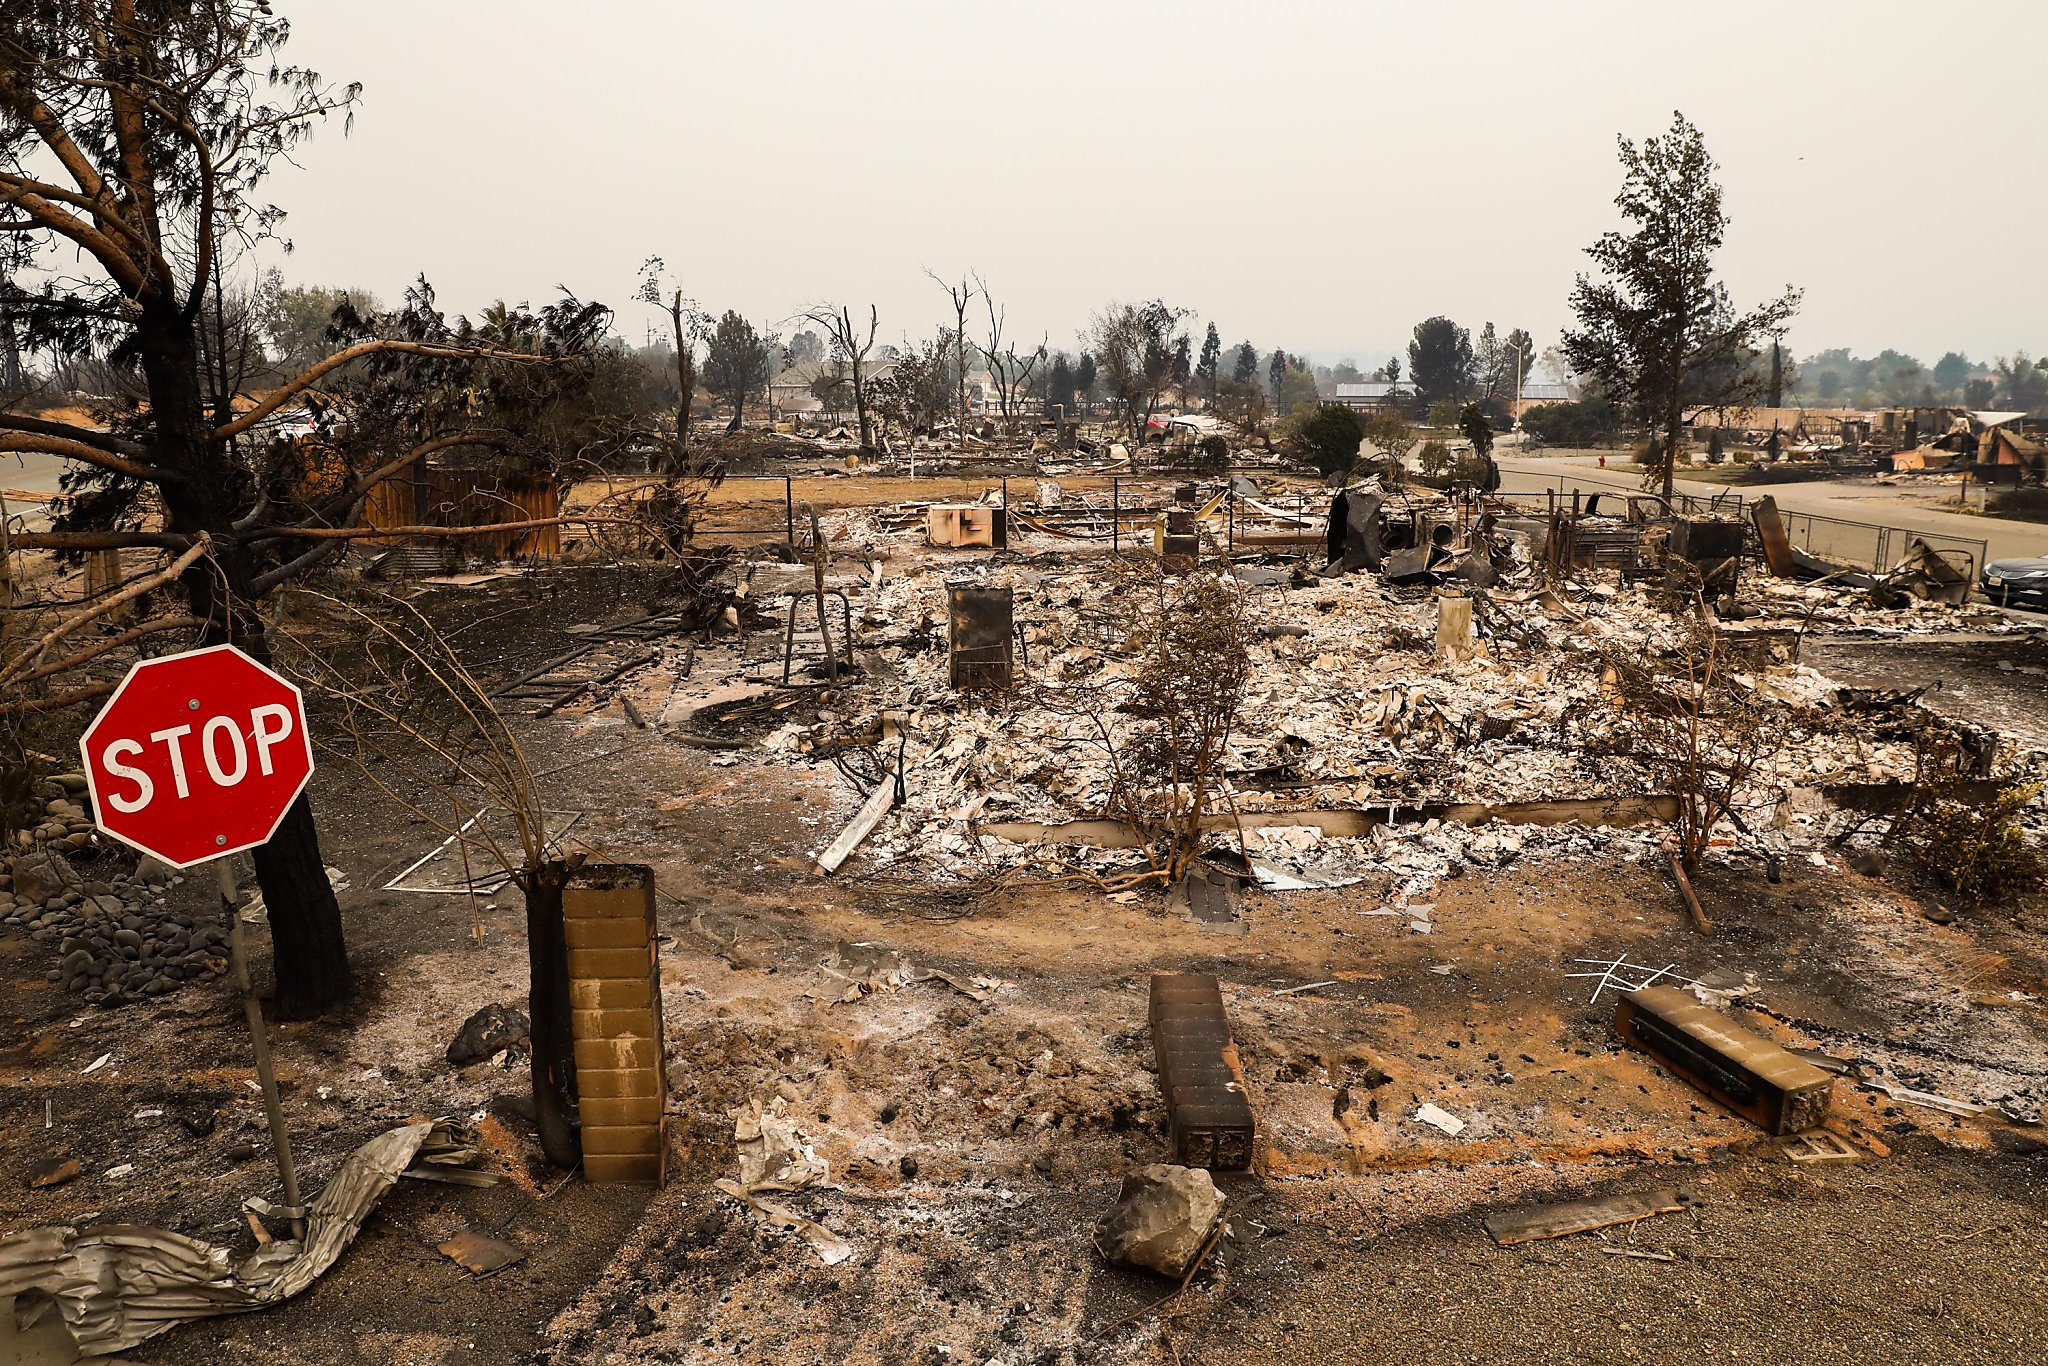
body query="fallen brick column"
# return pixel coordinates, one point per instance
(1209, 1122)
(1778, 1091)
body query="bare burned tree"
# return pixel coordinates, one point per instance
(135, 139)
(848, 344)
(1679, 709)
(412, 720)
(690, 325)
(1134, 345)
(962, 298)
(1011, 372)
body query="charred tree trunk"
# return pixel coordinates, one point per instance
(547, 1003)
(860, 406)
(310, 957)
(686, 385)
(1674, 423)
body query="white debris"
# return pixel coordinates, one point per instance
(1440, 1119)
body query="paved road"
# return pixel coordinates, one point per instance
(1860, 503)
(34, 475)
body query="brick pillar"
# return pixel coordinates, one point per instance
(615, 1020)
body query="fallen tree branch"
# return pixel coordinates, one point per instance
(1692, 901)
(99, 540)
(58, 701)
(202, 546)
(357, 533)
(127, 637)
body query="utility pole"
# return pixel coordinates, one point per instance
(1515, 404)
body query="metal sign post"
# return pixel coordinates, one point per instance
(259, 1041)
(196, 757)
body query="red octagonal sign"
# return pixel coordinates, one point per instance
(197, 755)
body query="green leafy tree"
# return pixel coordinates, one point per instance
(1243, 404)
(1953, 371)
(1059, 385)
(1389, 433)
(1276, 370)
(806, 348)
(1246, 367)
(2021, 382)
(1440, 360)
(1297, 393)
(295, 318)
(737, 364)
(1328, 438)
(918, 391)
(1658, 315)
(1477, 429)
(1135, 348)
(1582, 423)
(1205, 368)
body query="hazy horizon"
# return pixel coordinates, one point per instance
(1318, 180)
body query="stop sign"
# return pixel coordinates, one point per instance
(197, 755)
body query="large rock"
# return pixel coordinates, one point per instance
(1161, 1219)
(42, 875)
(487, 1033)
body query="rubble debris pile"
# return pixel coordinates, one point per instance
(1344, 708)
(116, 940)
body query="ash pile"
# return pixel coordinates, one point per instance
(1398, 682)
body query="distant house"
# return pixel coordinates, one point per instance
(1373, 395)
(1535, 395)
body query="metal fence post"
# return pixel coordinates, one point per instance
(1115, 518)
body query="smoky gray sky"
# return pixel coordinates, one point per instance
(1316, 176)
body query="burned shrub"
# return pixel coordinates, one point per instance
(1164, 721)
(1681, 710)
(1977, 850)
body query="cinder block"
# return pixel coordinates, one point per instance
(618, 1083)
(606, 903)
(644, 1139)
(609, 1111)
(615, 1020)
(613, 963)
(605, 932)
(615, 993)
(612, 1024)
(603, 1168)
(613, 1054)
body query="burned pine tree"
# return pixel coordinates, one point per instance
(1657, 331)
